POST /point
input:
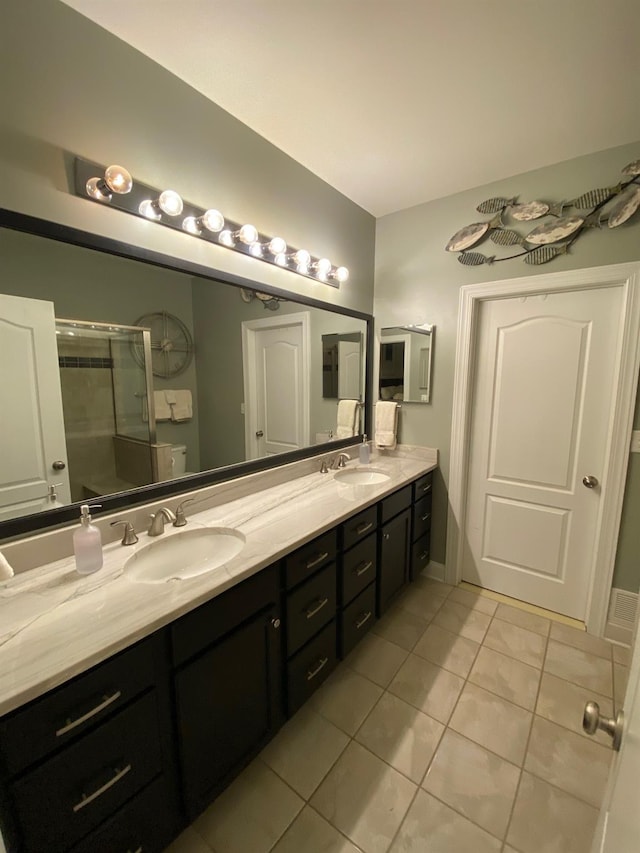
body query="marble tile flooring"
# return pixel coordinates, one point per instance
(454, 726)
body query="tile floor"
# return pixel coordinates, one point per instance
(454, 726)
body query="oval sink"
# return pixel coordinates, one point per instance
(184, 555)
(361, 476)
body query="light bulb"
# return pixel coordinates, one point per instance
(170, 203)
(118, 179)
(256, 250)
(190, 224)
(302, 258)
(226, 238)
(323, 266)
(149, 209)
(342, 274)
(281, 259)
(212, 220)
(97, 189)
(277, 246)
(248, 234)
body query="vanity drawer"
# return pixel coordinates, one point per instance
(358, 568)
(357, 619)
(395, 503)
(310, 667)
(66, 797)
(423, 486)
(306, 560)
(359, 526)
(420, 555)
(73, 709)
(149, 822)
(310, 607)
(211, 621)
(421, 517)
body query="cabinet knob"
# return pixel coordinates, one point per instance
(275, 622)
(386, 536)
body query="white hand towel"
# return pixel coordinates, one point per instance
(386, 424)
(161, 407)
(347, 417)
(182, 408)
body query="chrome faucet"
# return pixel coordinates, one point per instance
(156, 528)
(340, 461)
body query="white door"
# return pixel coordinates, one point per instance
(276, 370)
(618, 829)
(31, 422)
(349, 370)
(545, 375)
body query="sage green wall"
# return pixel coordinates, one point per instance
(416, 281)
(70, 87)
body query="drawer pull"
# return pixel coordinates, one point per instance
(362, 528)
(363, 619)
(137, 850)
(119, 774)
(72, 724)
(423, 556)
(318, 560)
(425, 517)
(311, 674)
(427, 488)
(363, 567)
(312, 611)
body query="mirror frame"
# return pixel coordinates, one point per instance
(47, 519)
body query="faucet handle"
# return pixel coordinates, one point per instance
(129, 536)
(323, 467)
(181, 518)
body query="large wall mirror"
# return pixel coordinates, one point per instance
(122, 378)
(406, 358)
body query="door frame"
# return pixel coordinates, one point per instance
(616, 460)
(249, 330)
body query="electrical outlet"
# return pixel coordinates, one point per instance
(635, 441)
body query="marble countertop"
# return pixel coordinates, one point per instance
(55, 624)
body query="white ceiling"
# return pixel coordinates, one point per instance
(396, 102)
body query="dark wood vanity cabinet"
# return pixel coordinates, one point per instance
(421, 525)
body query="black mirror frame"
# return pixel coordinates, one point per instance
(47, 519)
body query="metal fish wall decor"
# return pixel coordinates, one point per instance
(611, 205)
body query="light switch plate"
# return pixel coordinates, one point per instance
(635, 441)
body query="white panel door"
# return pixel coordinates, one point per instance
(276, 385)
(31, 421)
(545, 372)
(349, 370)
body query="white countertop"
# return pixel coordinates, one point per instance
(55, 624)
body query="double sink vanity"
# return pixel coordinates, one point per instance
(130, 698)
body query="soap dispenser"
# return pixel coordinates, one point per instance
(87, 543)
(364, 451)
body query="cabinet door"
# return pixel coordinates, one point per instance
(394, 558)
(229, 703)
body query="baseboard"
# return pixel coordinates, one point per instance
(621, 617)
(434, 570)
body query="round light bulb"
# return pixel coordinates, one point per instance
(323, 266)
(118, 179)
(226, 238)
(256, 250)
(96, 188)
(213, 220)
(277, 246)
(170, 203)
(281, 259)
(302, 258)
(148, 209)
(190, 224)
(248, 234)
(342, 274)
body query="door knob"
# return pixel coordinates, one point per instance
(259, 434)
(590, 481)
(592, 721)
(58, 465)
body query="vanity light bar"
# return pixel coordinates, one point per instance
(114, 186)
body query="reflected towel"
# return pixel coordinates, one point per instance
(347, 417)
(181, 407)
(386, 424)
(161, 407)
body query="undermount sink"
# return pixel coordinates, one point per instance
(184, 555)
(361, 476)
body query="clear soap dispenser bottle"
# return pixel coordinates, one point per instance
(364, 451)
(87, 544)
